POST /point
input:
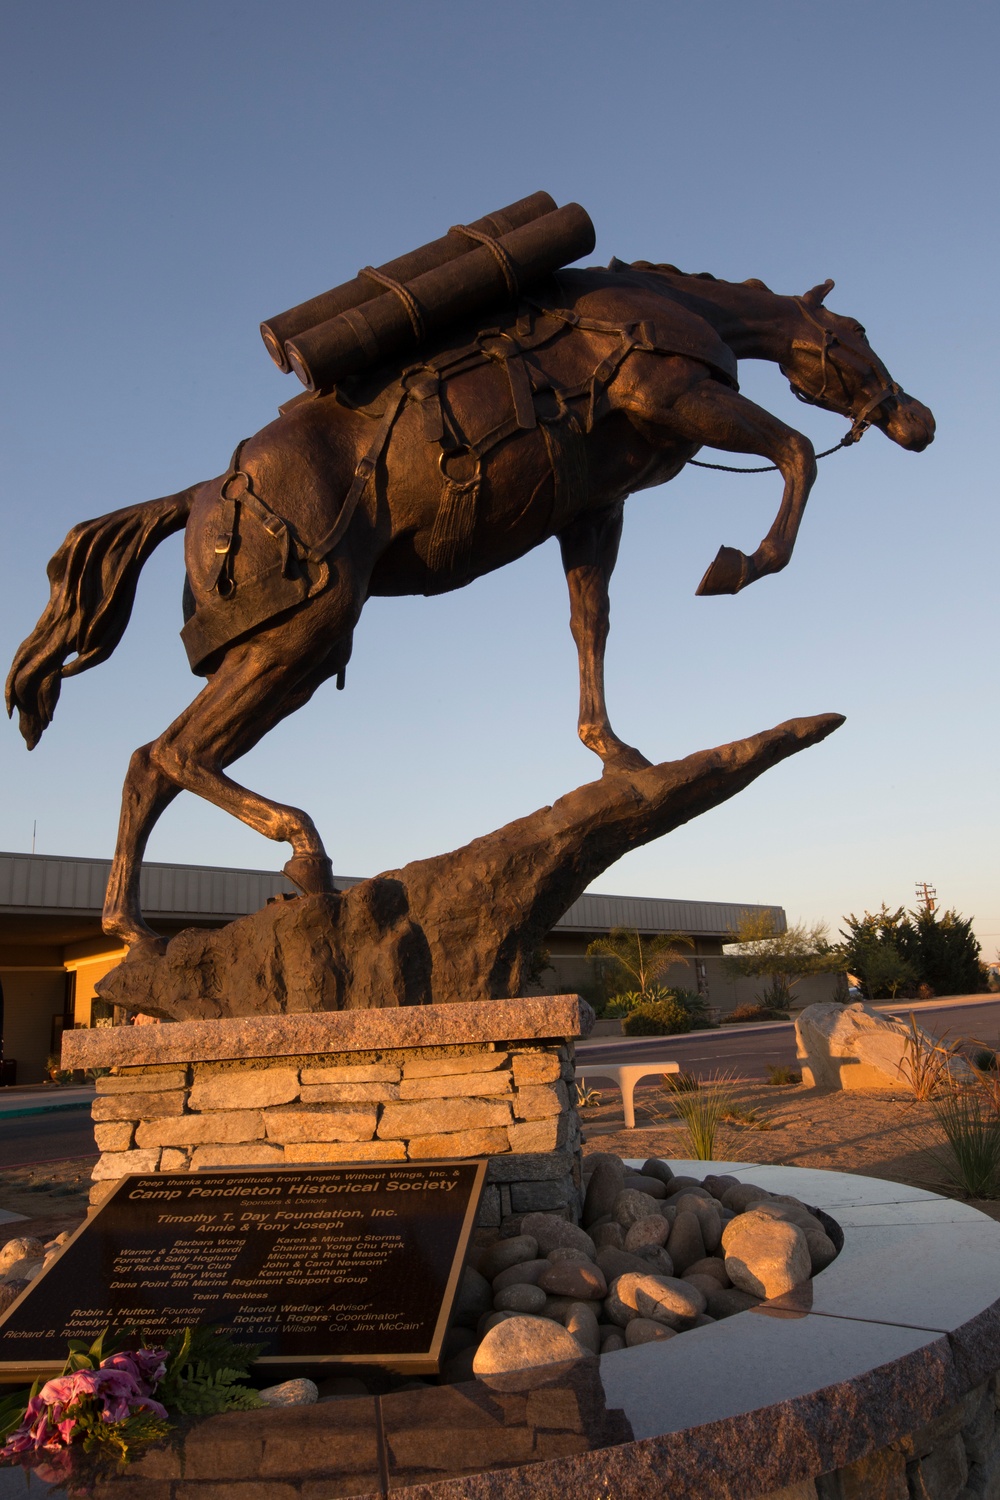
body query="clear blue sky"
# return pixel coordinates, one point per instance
(174, 173)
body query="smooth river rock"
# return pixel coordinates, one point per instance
(565, 1278)
(686, 1243)
(290, 1393)
(605, 1184)
(581, 1322)
(23, 1248)
(523, 1343)
(765, 1256)
(522, 1297)
(475, 1297)
(652, 1230)
(665, 1299)
(551, 1232)
(525, 1273)
(655, 1166)
(506, 1253)
(646, 1331)
(630, 1206)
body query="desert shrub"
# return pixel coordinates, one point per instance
(696, 1006)
(778, 1075)
(657, 1018)
(754, 1013)
(681, 1083)
(747, 1116)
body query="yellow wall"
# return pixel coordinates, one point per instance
(88, 971)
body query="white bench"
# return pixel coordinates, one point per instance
(625, 1076)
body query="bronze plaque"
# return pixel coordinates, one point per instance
(322, 1264)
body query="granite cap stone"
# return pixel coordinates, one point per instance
(532, 1017)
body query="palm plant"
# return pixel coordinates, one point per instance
(644, 960)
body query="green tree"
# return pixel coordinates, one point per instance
(760, 950)
(884, 971)
(945, 951)
(636, 962)
(877, 950)
(889, 950)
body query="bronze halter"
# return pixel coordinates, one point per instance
(859, 425)
(863, 420)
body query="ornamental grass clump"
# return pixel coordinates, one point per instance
(926, 1065)
(703, 1110)
(971, 1125)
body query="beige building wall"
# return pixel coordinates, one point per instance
(31, 1002)
(574, 971)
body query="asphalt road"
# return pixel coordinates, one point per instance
(25, 1139)
(750, 1050)
(36, 1138)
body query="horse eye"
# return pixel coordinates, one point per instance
(862, 331)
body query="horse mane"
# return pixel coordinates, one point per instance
(671, 270)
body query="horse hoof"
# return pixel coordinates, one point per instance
(312, 873)
(729, 573)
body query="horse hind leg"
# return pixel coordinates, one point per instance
(146, 794)
(254, 688)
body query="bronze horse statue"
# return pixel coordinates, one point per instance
(419, 480)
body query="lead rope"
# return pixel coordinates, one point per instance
(845, 442)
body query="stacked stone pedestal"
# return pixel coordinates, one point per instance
(491, 1078)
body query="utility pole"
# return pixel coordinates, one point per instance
(926, 896)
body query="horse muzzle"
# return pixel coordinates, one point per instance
(909, 423)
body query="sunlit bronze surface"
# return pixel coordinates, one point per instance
(537, 421)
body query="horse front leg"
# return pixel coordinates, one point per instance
(712, 413)
(589, 553)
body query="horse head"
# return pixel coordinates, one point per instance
(831, 364)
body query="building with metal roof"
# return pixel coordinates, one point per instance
(53, 951)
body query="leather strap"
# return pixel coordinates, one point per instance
(364, 471)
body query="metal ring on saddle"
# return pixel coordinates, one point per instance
(230, 477)
(462, 451)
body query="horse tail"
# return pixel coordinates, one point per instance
(93, 579)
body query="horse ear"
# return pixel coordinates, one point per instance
(814, 297)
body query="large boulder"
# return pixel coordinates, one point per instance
(857, 1047)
